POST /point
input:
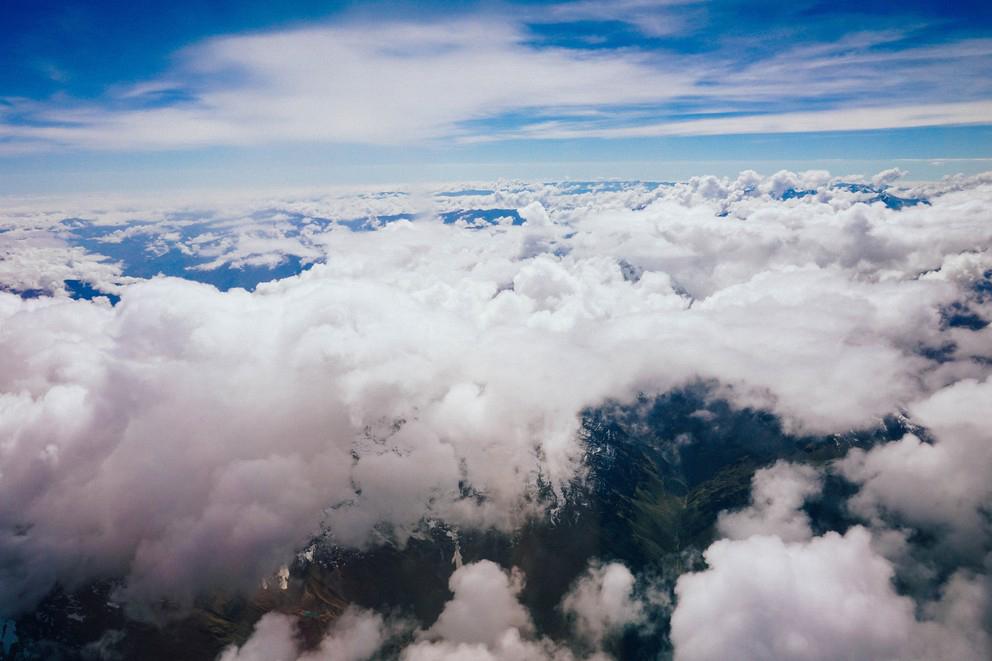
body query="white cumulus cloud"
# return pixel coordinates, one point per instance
(828, 598)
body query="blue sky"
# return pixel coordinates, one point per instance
(108, 95)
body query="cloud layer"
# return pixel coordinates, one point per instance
(188, 439)
(474, 78)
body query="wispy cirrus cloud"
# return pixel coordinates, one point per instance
(651, 17)
(483, 79)
(844, 119)
(389, 84)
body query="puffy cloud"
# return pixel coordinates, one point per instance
(777, 495)
(484, 606)
(510, 646)
(958, 621)
(485, 621)
(829, 598)
(535, 214)
(356, 635)
(41, 265)
(603, 602)
(888, 176)
(274, 639)
(954, 469)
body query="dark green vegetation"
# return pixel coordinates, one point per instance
(659, 472)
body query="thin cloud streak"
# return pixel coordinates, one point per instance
(854, 119)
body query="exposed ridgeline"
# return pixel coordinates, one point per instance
(660, 470)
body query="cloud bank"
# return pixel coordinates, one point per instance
(433, 368)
